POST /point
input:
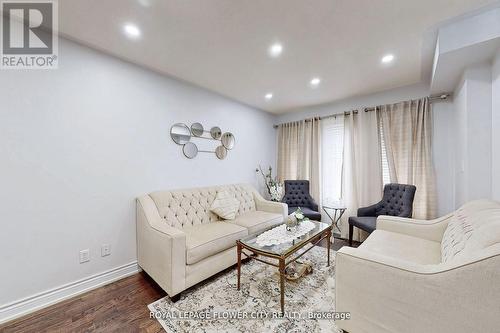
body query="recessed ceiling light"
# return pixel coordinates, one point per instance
(132, 31)
(268, 96)
(315, 81)
(387, 58)
(145, 3)
(275, 50)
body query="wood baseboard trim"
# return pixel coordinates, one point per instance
(39, 301)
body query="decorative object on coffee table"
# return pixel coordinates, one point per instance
(299, 215)
(291, 223)
(282, 234)
(294, 219)
(285, 253)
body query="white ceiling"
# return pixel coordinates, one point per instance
(222, 44)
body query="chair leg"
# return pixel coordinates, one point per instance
(351, 230)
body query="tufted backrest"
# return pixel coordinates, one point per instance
(182, 208)
(397, 200)
(297, 194)
(473, 227)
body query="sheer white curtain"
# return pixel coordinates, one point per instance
(299, 153)
(362, 168)
(407, 134)
(332, 148)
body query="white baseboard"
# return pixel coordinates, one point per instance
(36, 302)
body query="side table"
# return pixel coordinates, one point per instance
(334, 213)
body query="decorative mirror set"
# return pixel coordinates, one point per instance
(182, 134)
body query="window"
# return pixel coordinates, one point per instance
(332, 149)
(386, 176)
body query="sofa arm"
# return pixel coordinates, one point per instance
(270, 206)
(392, 262)
(432, 230)
(161, 249)
(385, 294)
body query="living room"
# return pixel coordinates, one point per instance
(263, 166)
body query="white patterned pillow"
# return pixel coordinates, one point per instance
(456, 235)
(225, 205)
(460, 237)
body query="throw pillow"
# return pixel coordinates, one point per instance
(225, 205)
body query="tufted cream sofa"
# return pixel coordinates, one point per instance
(180, 242)
(411, 275)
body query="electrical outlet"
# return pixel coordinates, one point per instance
(84, 256)
(105, 250)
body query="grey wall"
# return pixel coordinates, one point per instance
(78, 144)
(460, 151)
(479, 131)
(473, 135)
(442, 148)
(495, 139)
(443, 114)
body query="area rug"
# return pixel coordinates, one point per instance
(215, 305)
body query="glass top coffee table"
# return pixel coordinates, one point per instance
(285, 253)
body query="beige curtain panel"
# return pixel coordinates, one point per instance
(407, 134)
(299, 153)
(362, 169)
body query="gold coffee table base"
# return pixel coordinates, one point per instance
(300, 270)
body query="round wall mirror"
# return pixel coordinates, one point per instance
(197, 129)
(180, 133)
(228, 140)
(190, 150)
(221, 152)
(216, 132)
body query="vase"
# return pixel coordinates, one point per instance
(291, 224)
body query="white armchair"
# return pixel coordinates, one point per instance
(411, 275)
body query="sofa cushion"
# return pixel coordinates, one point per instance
(257, 220)
(205, 240)
(485, 236)
(366, 223)
(403, 247)
(464, 233)
(225, 205)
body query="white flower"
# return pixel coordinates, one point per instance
(276, 192)
(299, 216)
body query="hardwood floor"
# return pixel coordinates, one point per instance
(118, 307)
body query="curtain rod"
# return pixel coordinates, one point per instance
(438, 97)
